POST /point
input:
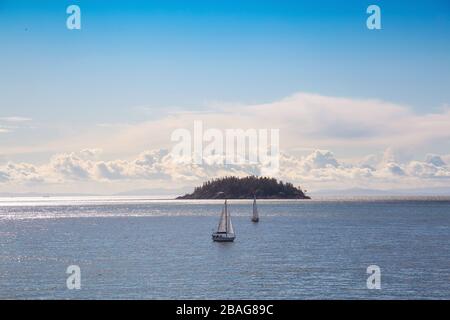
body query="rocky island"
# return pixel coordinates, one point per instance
(246, 188)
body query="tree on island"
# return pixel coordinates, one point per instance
(246, 188)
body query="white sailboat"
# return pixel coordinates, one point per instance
(225, 231)
(255, 216)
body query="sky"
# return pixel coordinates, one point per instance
(92, 110)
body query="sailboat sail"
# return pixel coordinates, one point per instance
(225, 221)
(222, 223)
(255, 216)
(230, 225)
(225, 231)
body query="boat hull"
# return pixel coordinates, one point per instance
(255, 219)
(223, 237)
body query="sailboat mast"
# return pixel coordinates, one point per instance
(255, 217)
(226, 217)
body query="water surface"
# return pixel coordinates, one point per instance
(135, 248)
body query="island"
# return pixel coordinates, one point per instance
(246, 188)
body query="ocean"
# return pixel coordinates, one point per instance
(137, 248)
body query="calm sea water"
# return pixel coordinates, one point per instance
(133, 248)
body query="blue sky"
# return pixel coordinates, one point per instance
(136, 61)
(183, 53)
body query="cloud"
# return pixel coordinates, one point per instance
(4, 176)
(394, 169)
(320, 159)
(147, 166)
(92, 153)
(70, 167)
(435, 160)
(318, 170)
(306, 121)
(11, 123)
(20, 173)
(326, 130)
(14, 119)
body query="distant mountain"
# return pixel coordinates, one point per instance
(153, 192)
(246, 188)
(210, 193)
(39, 194)
(443, 191)
(165, 193)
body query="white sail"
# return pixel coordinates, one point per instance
(230, 226)
(255, 210)
(225, 224)
(222, 223)
(228, 216)
(225, 231)
(228, 220)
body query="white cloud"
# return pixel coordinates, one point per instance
(20, 173)
(14, 119)
(92, 153)
(318, 170)
(11, 123)
(369, 138)
(70, 167)
(355, 127)
(435, 160)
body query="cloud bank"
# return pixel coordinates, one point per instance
(326, 142)
(319, 169)
(305, 121)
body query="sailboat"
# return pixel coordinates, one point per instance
(255, 216)
(225, 231)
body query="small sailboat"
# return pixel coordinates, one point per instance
(225, 231)
(255, 216)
